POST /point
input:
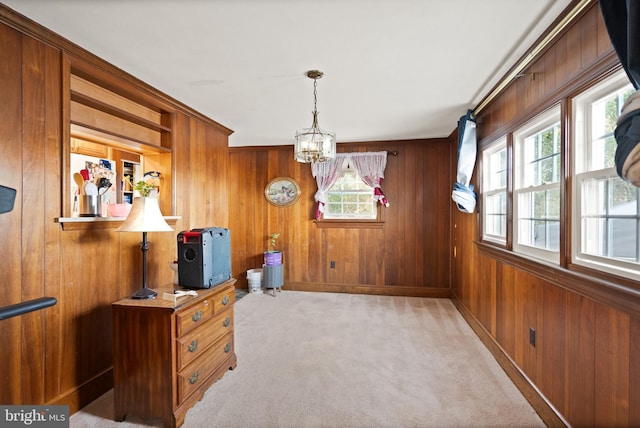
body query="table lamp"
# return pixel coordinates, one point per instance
(145, 216)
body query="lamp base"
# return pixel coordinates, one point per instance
(144, 293)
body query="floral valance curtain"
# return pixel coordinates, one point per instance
(369, 166)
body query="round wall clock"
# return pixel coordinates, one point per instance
(282, 191)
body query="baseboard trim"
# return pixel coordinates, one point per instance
(382, 290)
(84, 394)
(545, 410)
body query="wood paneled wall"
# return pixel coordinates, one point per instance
(586, 361)
(63, 354)
(407, 256)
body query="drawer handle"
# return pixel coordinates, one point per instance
(225, 300)
(194, 378)
(226, 322)
(193, 346)
(227, 348)
(197, 316)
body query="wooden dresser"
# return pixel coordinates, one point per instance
(166, 354)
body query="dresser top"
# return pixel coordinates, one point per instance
(160, 302)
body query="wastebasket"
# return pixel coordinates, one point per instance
(254, 277)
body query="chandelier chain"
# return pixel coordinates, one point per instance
(315, 95)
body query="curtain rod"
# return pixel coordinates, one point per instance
(389, 152)
(528, 59)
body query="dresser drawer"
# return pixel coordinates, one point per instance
(194, 316)
(190, 378)
(224, 300)
(192, 344)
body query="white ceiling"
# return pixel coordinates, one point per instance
(394, 69)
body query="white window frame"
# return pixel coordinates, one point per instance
(582, 135)
(521, 187)
(328, 215)
(490, 190)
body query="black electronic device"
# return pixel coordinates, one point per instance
(204, 257)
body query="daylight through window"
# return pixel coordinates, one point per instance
(606, 214)
(537, 188)
(494, 160)
(350, 198)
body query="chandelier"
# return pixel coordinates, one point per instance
(313, 144)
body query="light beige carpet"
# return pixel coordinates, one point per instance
(341, 360)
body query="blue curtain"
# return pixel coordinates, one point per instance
(463, 194)
(622, 18)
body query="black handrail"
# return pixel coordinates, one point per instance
(26, 307)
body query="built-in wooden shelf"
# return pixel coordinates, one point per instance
(80, 223)
(114, 111)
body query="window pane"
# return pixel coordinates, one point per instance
(497, 204)
(497, 170)
(542, 157)
(604, 115)
(622, 197)
(538, 223)
(553, 203)
(593, 231)
(496, 215)
(496, 225)
(622, 239)
(350, 198)
(335, 208)
(350, 208)
(607, 215)
(494, 193)
(525, 232)
(594, 197)
(540, 234)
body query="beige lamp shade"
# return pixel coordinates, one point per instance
(145, 216)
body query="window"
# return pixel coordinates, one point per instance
(537, 175)
(606, 216)
(494, 193)
(350, 198)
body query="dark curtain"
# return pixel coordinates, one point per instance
(622, 18)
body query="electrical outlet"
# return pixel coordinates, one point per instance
(532, 336)
(333, 264)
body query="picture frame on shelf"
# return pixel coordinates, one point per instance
(282, 191)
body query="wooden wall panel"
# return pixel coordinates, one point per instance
(63, 354)
(586, 359)
(551, 343)
(200, 160)
(33, 165)
(580, 375)
(406, 256)
(505, 308)
(611, 367)
(52, 208)
(634, 373)
(582, 47)
(10, 223)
